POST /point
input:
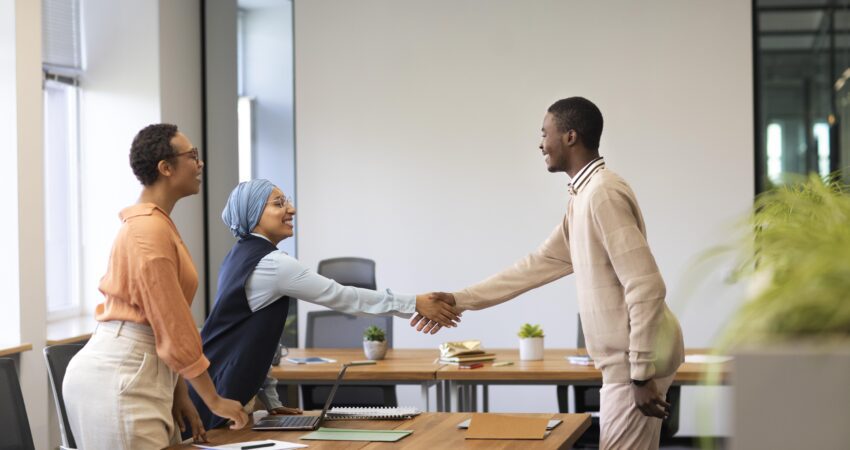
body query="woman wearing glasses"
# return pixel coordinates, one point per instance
(255, 283)
(125, 388)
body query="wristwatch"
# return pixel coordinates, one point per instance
(639, 382)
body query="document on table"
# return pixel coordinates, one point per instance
(259, 445)
(311, 360)
(707, 359)
(341, 434)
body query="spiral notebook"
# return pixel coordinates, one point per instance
(379, 413)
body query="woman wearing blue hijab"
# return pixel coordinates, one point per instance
(255, 282)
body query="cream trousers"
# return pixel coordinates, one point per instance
(621, 425)
(118, 392)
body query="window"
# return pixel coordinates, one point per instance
(774, 153)
(802, 65)
(245, 144)
(62, 58)
(821, 133)
(61, 166)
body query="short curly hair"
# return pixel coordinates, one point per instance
(150, 146)
(581, 115)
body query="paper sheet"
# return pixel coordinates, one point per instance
(277, 445)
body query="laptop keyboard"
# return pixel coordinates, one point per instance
(295, 421)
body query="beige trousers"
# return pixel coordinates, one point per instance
(621, 425)
(118, 392)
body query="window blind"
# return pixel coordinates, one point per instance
(61, 38)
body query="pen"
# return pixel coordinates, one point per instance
(503, 363)
(471, 366)
(367, 362)
(267, 444)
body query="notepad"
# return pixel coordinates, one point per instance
(499, 426)
(311, 360)
(552, 424)
(580, 360)
(384, 413)
(341, 434)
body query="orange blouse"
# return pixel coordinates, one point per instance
(151, 280)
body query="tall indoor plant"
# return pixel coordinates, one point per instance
(791, 338)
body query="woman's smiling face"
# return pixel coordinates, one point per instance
(276, 221)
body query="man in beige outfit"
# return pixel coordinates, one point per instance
(633, 338)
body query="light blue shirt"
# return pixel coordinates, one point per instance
(279, 274)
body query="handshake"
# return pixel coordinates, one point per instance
(435, 311)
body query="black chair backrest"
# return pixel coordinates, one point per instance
(14, 426)
(58, 357)
(350, 271)
(333, 329)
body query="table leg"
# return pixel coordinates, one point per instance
(485, 400)
(453, 397)
(447, 400)
(425, 398)
(440, 402)
(473, 398)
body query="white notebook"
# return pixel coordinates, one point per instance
(398, 413)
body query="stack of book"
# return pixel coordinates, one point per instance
(469, 357)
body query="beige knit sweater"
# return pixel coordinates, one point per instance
(629, 330)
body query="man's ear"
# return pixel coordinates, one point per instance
(570, 138)
(164, 168)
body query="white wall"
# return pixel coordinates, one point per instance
(142, 66)
(9, 324)
(417, 128)
(180, 103)
(221, 172)
(119, 96)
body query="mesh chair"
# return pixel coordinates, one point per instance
(58, 357)
(15, 427)
(331, 329)
(351, 271)
(587, 400)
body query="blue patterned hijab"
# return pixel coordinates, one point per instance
(245, 206)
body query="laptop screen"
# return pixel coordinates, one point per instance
(333, 391)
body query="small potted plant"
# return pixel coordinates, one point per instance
(530, 342)
(374, 343)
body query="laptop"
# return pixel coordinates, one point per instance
(279, 423)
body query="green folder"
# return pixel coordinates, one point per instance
(341, 434)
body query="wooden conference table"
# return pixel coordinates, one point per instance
(430, 431)
(418, 366)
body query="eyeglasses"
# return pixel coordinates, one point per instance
(192, 154)
(282, 202)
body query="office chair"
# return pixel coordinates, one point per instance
(331, 329)
(587, 400)
(58, 357)
(15, 427)
(350, 271)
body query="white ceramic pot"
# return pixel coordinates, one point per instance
(531, 349)
(374, 350)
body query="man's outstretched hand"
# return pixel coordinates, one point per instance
(436, 308)
(427, 324)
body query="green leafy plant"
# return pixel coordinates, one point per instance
(795, 254)
(530, 331)
(374, 333)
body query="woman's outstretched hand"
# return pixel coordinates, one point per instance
(435, 311)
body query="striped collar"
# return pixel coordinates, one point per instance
(578, 182)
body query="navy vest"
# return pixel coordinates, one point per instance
(240, 344)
